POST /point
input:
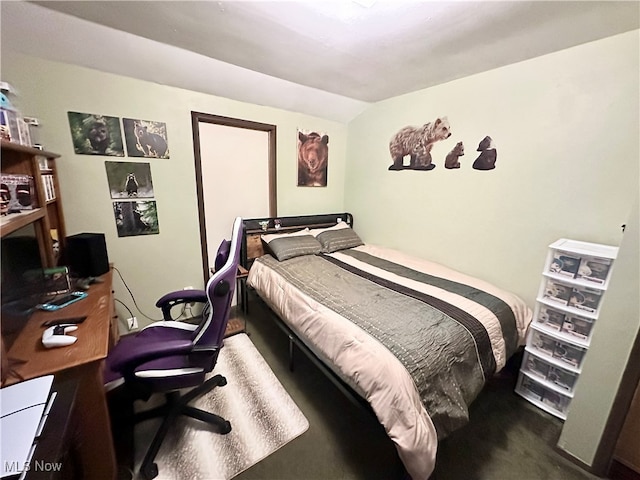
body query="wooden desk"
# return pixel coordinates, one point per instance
(57, 447)
(82, 361)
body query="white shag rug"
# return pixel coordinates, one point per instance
(262, 414)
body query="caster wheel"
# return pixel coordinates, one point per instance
(226, 428)
(150, 471)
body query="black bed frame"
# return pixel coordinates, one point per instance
(252, 248)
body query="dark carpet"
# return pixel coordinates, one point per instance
(506, 438)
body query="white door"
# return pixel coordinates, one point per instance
(234, 178)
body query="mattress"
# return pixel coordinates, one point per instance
(416, 339)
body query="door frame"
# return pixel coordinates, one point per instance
(196, 119)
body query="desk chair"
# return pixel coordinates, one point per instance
(168, 356)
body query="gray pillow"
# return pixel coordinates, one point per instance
(287, 246)
(333, 240)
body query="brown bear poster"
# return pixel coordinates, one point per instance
(313, 157)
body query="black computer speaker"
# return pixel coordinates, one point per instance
(86, 255)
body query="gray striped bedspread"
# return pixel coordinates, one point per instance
(416, 339)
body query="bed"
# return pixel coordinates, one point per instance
(412, 339)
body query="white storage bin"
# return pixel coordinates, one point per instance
(550, 317)
(549, 400)
(550, 373)
(584, 261)
(565, 264)
(577, 327)
(574, 280)
(564, 352)
(585, 299)
(557, 292)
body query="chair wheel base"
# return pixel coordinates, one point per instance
(149, 471)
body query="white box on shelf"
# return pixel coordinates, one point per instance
(546, 398)
(559, 350)
(570, 355)
(564, 263)
(557, 292)
(562, 378)
(585, 298)
(548, 372)
(541, 343)
(578, 327)
(550, 317)
(595, 269)
(535, 365)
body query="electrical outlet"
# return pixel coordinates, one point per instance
(132, 322)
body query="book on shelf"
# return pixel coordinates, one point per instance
(49, 188)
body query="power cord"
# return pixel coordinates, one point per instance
(185, 307)
(134, 300)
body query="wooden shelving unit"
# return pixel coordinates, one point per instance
(46, 215)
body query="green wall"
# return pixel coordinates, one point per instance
(566, 130)
(153, 265)
(566, 127)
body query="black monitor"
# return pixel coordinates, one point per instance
(22, 285)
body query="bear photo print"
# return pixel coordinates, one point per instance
(416, 143)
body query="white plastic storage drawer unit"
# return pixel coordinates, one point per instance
(574, 280)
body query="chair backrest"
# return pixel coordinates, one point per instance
(220, 290)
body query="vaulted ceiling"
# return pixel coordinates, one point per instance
(351, 52)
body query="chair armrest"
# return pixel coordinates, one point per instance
(123, 360)
(170, 300)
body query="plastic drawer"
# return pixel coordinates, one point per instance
(567, 354)
(553, 375)
(547, 399)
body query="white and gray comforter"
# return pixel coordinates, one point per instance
(416, 339)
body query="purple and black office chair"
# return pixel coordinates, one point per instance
(167, 356)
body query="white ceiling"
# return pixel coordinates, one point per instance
(335, 51)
